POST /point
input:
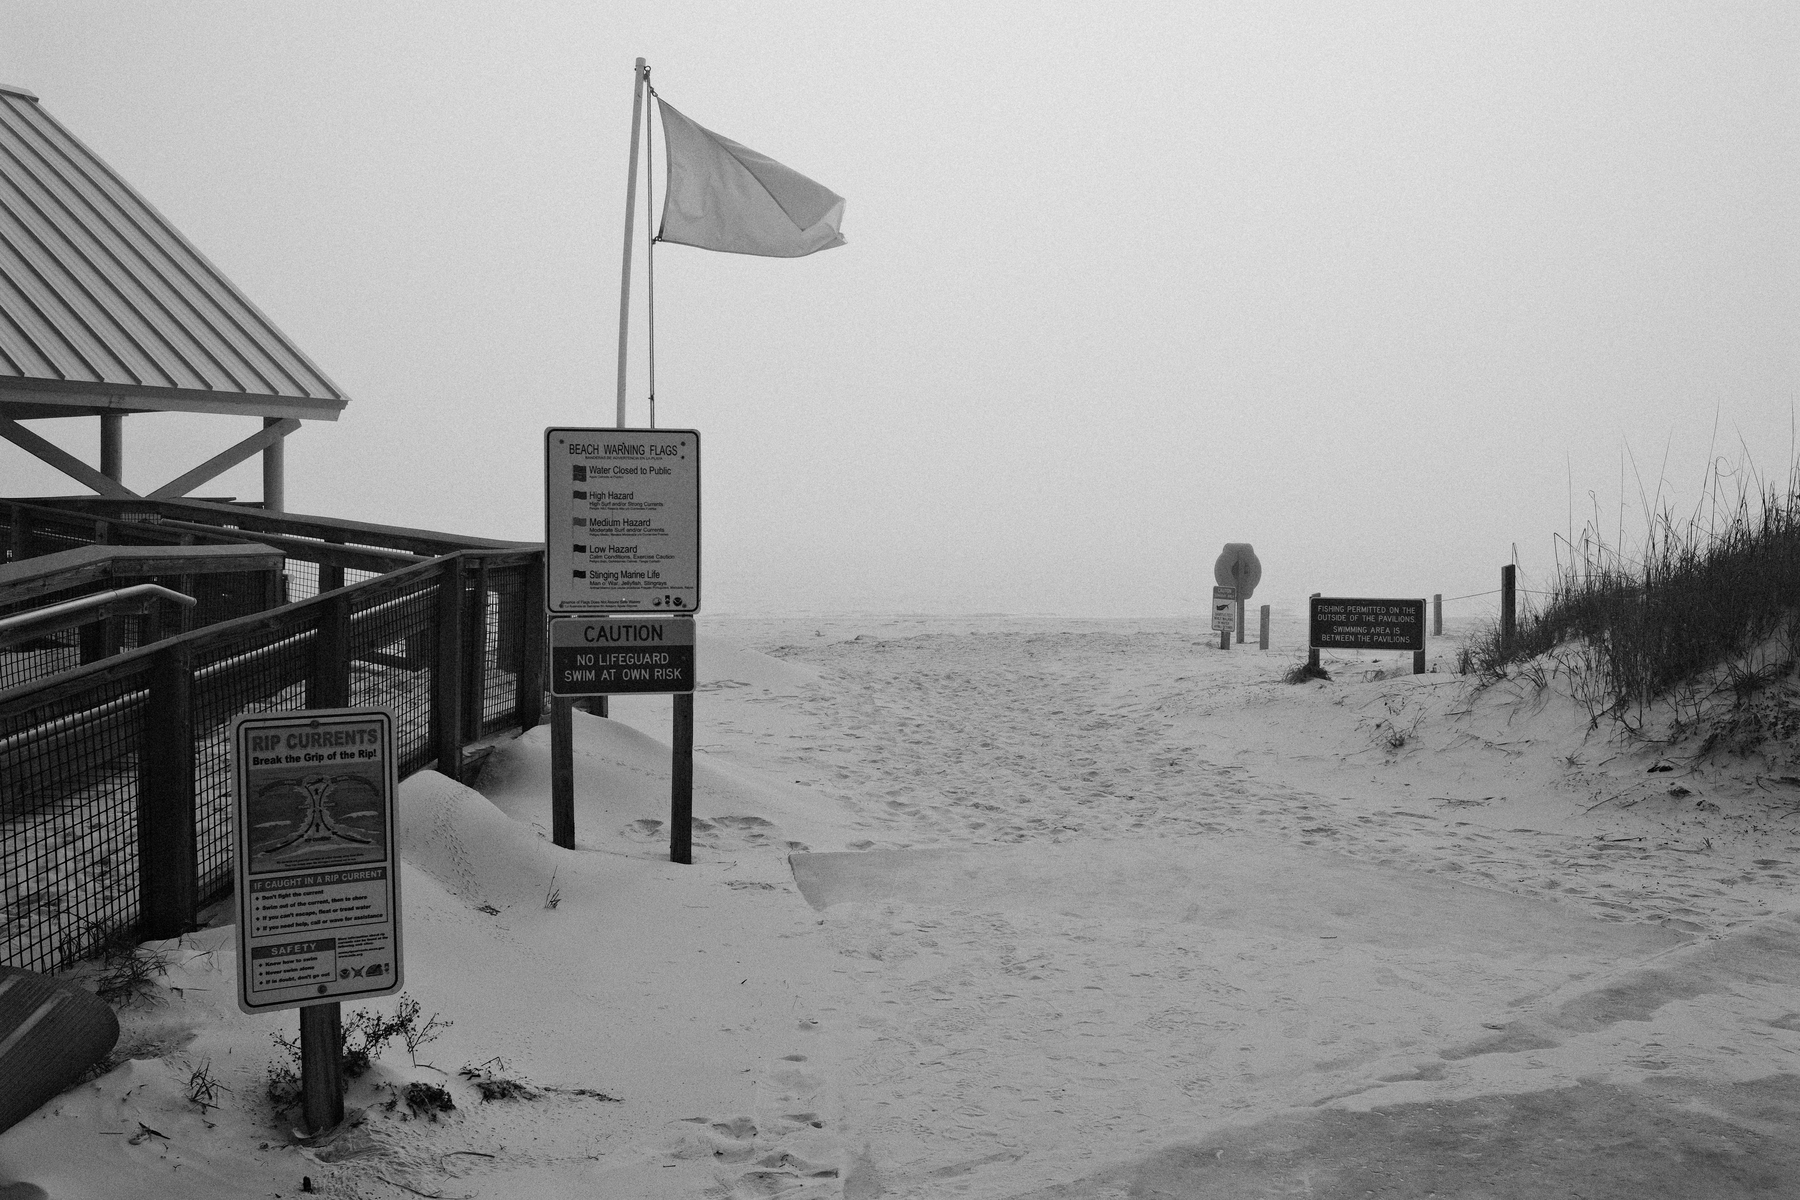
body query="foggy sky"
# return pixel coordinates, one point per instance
(1381, 289)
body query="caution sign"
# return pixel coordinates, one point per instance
(612, 656)
(1338, 623)
(1224, 609)
(318, 873)
(621, 520)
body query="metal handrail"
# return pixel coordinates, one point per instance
(74, 612)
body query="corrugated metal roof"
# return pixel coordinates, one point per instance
(103, 305)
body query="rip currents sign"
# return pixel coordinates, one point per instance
(318, 870)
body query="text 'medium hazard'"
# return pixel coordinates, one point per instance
(318, 871)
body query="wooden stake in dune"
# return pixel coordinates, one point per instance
(1509, 605)
(1346, 623)
(318, 878)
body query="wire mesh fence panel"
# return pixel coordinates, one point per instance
(39, 658)
(69, 786)
(393, 646)
(503, 647)
(255, 671)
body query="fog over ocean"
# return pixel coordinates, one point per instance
(1383, 291)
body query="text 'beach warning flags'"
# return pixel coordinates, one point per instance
(723, 196)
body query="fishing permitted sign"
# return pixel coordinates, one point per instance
(318, 871)
(1347, 623)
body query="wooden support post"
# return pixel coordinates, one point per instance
(447, 672)
(533, 636)
(274, 474)
(328, 683)
(112, 446)
(321, 1067)
(1312, 651)
(92, 639)
(681, 789)
(562, 773)
(1418, 662)
(1509, 610)
(331, 575)
(168, 876)
(1224, 639)
(1240, 620)
(21, 533)
(475, 661)
(1437, 614)
(1262, 637)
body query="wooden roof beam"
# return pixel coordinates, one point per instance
(220, 463)
(65, 462)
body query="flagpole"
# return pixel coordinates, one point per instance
(650, 241)
(637, 112)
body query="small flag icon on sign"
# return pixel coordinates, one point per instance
(581, 574)
(580, 474)
(580, 495)
(579, 548)
(580, 520)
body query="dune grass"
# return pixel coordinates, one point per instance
(1711, 604)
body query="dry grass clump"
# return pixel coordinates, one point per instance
(1712, 605)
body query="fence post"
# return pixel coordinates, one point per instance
(475, 665)
(328, 683)
(1509, 611)
(168, 876)
(447, 672)
(1437, 614)
(1262, 637)
(532, 635)
(1312, 651)
(331, 576)
(21, 533)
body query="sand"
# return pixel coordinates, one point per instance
(1010, 907)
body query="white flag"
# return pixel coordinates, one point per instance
(723, 196)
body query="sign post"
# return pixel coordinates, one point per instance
(622, 535)
(1336, 622)
(318, 877)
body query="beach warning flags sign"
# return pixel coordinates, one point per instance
(725, 196)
